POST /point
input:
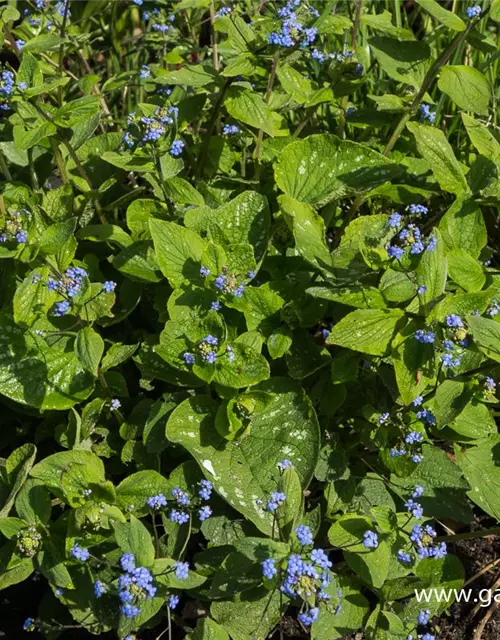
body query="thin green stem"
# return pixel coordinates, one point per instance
(188, 535)
(484, 533)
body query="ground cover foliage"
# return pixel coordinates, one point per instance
(249, 313)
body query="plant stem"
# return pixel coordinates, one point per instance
(355, 26)
(484, 533)
(270, 83)
(215, 52)
(210, 127)
(188, 535)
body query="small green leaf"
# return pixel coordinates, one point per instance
(467, 87)
(367, 330)
(133, 537)
(89, 347)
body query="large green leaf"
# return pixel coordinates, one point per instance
(449, 19)
(178, 250)
(249, 107)
(480, 466)
(462, 227)
(367, 330)
(246, 470)
(486, 334)
(404, 61)
(435, 148)
(322, 167)
(467, 87)
(33, 373)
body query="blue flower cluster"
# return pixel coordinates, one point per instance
(413, 439)
(29, 624)
(337, 56)
(413, 507)
(408, 238)
(151, 129)
(79, 553)
(159, 20)
(184, 504)
(15, 227)
(305, 575)
(292, 29)
(134, 586)
(490, 386)
(422, 537)
(275, 501)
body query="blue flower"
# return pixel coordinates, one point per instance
(180, 517)
(145, 72)
(319, 557)
(418, 492)
(422, 289)
(61, 308)
(427, 114)
(473, 12)
(204, 272)
(215, 306)
(238, 292)
(127, 562)
(424, 616)
(427, 416)
(418, 209)
(189, 358)
(181, 570)
(370, 540)
(211, 357)
(230, 129)
(130, 610)
(173, 601)
(59, 592)
(431, 246)
(204, 513)
(413, 437)
(304, 535)
(490, 385)
(284, 464)
(157, 502)
(395, 252)
(79, 553)
(205, 489)
(428, 636)
(29, 624)
(395, 220)
(109, 286)
(99, 589)
(20, 44)
(211, 340)
(230, 353)
(268, 568)
(276, 500)
(414, 508)
(308, 618)
(454, 321)
(404, 557)
(180, 496)
(115, 404)
(220, 281)
(176, 148)
(417, 401)
(449, 361)
(383, 418)
(425, 337)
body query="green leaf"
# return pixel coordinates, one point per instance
(17, 467)
(371, 564)
(251, 615)
(245, 471)
(17, 574)
(132, 492)
(190, 75)
(248, 368)
(33, 373)
(449, 401)
(331, 624)
(89, 347)
(467, 87)
(290, 513)
(486, 334)
(480, 466)
(55, 236)
(75, 111)
(178, 250)
(482, 138)
(105, 233)
(367, 330)
(442, 15)
(435, 148)
(133, 537)
(321, 168)
(249, 107)
(463, 227)
(465, 271)
(308, 230)
(207, 629)
(445, 488)
(295, 83)
(33, 501)
(404, 61)
(32, 299)
(432, 271)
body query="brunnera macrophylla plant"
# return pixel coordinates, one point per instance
(249, 324)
